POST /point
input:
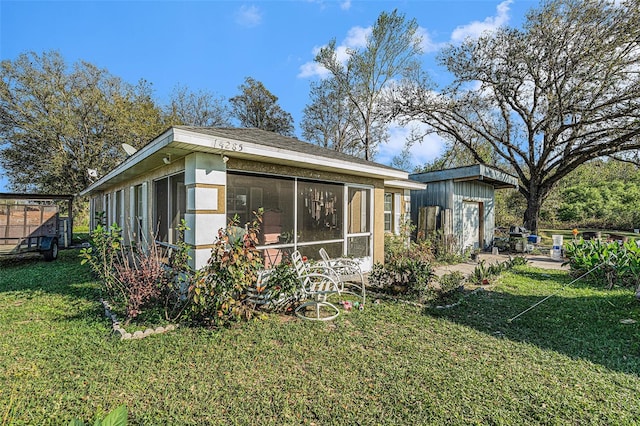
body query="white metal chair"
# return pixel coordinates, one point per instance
(348, 272)
(317, 283)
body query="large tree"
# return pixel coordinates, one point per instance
(201, 108)
(563, 90)
(257, 107)
(390, 52)
(57, 122)
(329, 119)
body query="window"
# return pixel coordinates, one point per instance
(170, 206)
(388, 212)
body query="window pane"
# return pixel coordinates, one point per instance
(178, 204)
(359, 210)
(358, 246)
(387, 221)
(248, 193)
(319, 211)
(388, 202)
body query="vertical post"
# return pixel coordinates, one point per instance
(205, 181)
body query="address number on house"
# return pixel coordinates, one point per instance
(226, 145)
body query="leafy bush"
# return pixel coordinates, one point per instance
(283, 279)
(402, 275)
(451, 281)
(134, 277)
(445, 248)
(619, 262)
(483, 273)
(173, 294)
(102, 256)
(141, 276)
(220, 288)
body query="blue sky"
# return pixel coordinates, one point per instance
(214, 45)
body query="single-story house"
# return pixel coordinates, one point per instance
(465, 200)
(312, 197)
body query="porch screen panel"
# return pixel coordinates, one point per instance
(161, 199)
(178, 205)
(248, 193)
(359, 217)
(320, 211)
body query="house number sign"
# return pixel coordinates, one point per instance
(226, 145)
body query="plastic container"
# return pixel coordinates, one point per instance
(533, 239)
(557, 240)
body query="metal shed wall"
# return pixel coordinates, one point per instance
(477, 192)
(451, 195)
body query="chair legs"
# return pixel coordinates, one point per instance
(317, 304)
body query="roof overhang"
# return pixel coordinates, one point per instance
(479, 172)
(405, 184)
(176, 143)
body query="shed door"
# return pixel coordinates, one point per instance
(470, 225)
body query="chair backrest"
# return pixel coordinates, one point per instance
(298, 264)
(324, 255)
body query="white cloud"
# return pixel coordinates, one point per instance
(313, 69)
(345, 5)
(428, 45)
(249, 16)
(429, 149)
(476, 28)
(356, 38)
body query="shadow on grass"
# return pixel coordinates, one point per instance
(64, 276)
(581, 321)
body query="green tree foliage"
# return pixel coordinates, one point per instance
(597, 195)
(390, 52)
(257, 107)
(601, 194)
(201, 108)
(56, 122)
(561, 91)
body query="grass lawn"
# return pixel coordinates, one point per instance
(570, 361)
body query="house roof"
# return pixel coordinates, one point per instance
(477, 172)
(242, 143)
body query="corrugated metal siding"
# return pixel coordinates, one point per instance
(474, 191)
(449, 194)
(436, 194)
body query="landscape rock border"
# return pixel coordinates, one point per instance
(124, 335)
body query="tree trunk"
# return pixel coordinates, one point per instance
(532, 213)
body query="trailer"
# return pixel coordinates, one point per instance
(32, 223)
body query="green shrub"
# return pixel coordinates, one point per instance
(220, 288)
(445, 248)
(402, 275)
(483, 273)
(451, 281)
(617, 263)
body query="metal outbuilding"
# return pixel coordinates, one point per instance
(461, 202)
